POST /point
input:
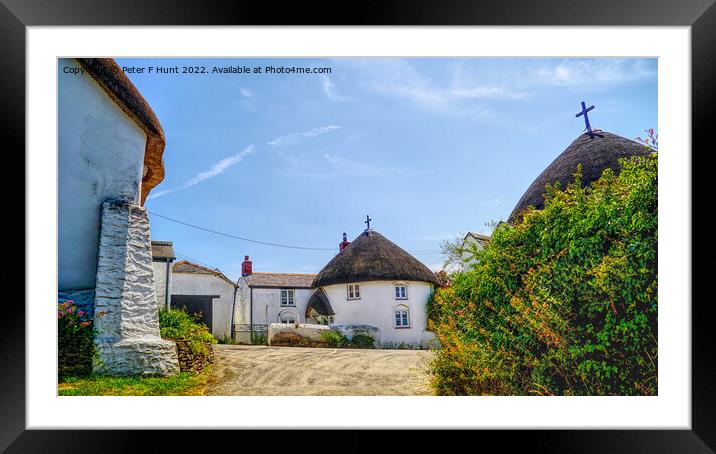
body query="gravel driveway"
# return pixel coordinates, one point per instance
(254, 370)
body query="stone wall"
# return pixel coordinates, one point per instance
(125, 305)
(306, 330)
(194, 362)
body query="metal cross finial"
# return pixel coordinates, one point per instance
(584, 111)
(367, 221)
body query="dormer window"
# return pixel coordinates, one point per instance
(353, 291)
(288, 298)
(401, 292)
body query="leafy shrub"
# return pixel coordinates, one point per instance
(361, 341)
(401, 346)
(333, 339)
(289, 339)
(76, 347)
(226, 340)
(178, 324)
(259, 338)
(562, 303)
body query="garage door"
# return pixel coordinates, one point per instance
(200, 305)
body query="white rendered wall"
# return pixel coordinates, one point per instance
(160, 281)
(377, 306)
(243, 299)
(207, 284)
(267, 305)
(100, 157)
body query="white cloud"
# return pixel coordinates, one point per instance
(329, 88)
(297, 137)
(220, 167)
(245, 92)
(401, 79)
(576, 72)
(215, 170)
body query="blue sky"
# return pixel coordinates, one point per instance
(429, 148)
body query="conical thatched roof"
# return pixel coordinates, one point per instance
(372, 257)
(595, 154)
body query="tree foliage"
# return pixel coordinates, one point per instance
(563, 302)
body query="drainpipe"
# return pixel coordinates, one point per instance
(251, 315)
(166, 284)
(233, 311)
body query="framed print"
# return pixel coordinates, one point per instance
(438, 218)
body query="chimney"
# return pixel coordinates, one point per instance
(246, 266)
(344, 244)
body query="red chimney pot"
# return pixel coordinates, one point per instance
(246, 266)
(344, 244)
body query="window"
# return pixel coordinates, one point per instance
(353, 291)
(288, 319)
(287, 298)
(402, 317)
(401, 292)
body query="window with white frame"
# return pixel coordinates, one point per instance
(353, 291)
(402, 317)
(401, 292)
(287, 297)
(288, 319)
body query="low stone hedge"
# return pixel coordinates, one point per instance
(191, 360)
(308, 331)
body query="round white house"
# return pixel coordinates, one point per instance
(374, 282)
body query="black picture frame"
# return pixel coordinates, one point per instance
(700, 15)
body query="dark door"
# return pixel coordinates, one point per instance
(195, 304)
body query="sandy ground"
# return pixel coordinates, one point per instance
(253, 370)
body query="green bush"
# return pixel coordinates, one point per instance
(226, 340)
(563, 302)
(178, 324)
(333, 339)
(362, 341)
(75, 342)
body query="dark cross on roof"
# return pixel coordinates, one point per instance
(584, 111)
(367, 221)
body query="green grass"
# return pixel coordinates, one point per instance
(182, 384)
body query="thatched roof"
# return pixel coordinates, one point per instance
(595, 154)
(372, 257)
(282, 280)
(117, 85)
(319, 303)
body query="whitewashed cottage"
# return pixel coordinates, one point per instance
(371, 286)
(110, 146)
(208, 293)
(372, 281)
(265, 298)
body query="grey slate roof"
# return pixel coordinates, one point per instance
(162, 250)
(595, 154)
(284, 280)
(372, 257)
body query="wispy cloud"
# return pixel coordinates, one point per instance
(332, 165)
(297, 137)
(245, 92)
(462, 96)
(575, 72)
(329, 88)
(215, 170)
